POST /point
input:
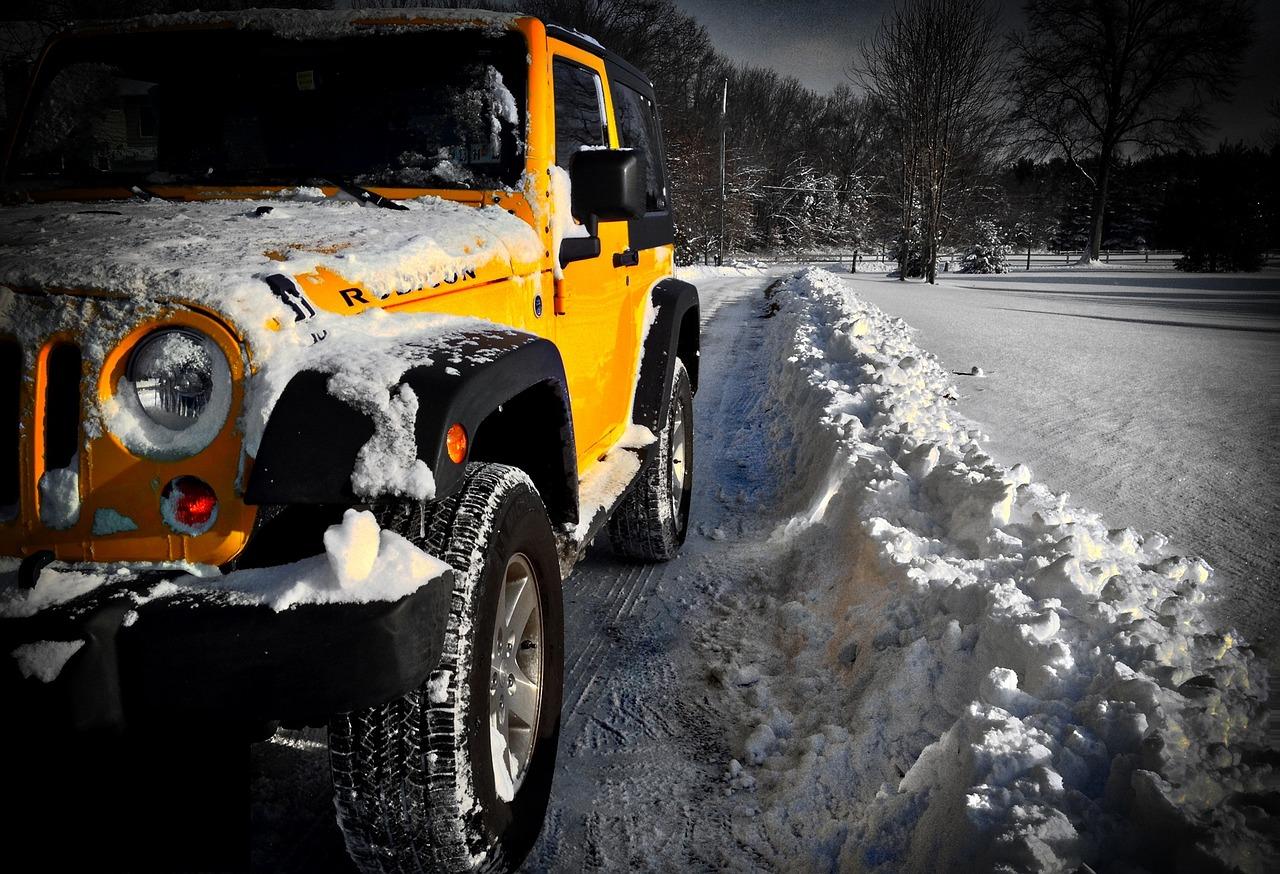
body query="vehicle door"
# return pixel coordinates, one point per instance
(597, 324)
(651, 238)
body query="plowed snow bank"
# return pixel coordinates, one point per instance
(1035, 690)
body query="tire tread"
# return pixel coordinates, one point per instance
(642, 527)
(395, 771)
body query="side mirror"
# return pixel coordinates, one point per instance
(608, 185)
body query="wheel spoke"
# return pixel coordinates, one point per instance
(524, 600)
(522, 700)
(502, 713)
(516, 667)
(519, 744)
(676, 452)
(502, 630)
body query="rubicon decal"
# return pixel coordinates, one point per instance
(353, 296)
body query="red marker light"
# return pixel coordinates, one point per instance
(189, 505)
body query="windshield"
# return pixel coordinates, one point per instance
(429, 108)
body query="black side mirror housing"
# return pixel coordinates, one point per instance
(608, 185)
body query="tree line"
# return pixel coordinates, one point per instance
(1081, 131)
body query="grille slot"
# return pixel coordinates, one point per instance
(62, 406)
(10, 388)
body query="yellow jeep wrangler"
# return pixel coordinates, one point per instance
(328, 341)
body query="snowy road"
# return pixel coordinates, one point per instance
(1151, 397)
(642, 749)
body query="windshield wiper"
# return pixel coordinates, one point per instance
(362, 194)
(146, 194)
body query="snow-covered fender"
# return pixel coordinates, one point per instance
(673, 333)
(507, 389)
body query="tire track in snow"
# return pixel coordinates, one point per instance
(639, 780)
(624, 593)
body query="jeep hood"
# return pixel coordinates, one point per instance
(254, 264)
(224, 256)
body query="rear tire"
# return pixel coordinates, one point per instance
(414, 779)
(652, 521)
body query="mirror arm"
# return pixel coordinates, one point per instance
(581, 248)
(578, 249)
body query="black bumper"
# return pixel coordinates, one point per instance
(202, 656)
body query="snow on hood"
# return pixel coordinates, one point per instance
(214, 255)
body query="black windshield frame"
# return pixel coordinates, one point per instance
(381, 84)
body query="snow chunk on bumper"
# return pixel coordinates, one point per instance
(45, 659)
(361, 563)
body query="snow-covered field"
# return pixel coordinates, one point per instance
(1153, 398)
(880, 649)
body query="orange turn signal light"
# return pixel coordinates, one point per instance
(456, 442)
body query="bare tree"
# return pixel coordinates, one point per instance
(935, 66)
(1094, 78)
(1271, 136)
(498, 5)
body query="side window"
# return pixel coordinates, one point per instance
(638, 129)
(579, 110)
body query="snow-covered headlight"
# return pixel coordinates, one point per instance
(172, 374)
(174, 395)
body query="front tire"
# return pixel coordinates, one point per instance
(652, 521)
(456, 775)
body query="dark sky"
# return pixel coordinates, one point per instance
(814, 40)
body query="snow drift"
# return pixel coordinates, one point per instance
(958, 669)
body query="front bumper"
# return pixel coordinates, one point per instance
(145, 662)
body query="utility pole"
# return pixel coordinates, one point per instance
(724, 109)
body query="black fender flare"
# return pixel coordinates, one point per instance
(309, 447)
(673, 333)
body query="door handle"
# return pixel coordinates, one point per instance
(626, 258)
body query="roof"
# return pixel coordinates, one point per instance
(586, 43)
(310, 23)
(336, 23)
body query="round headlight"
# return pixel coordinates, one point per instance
(174, 396)
(172, 374)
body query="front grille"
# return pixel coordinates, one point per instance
(10, 427)
(62, 406)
